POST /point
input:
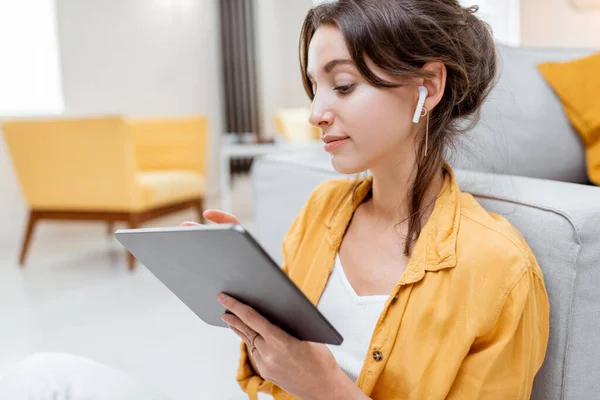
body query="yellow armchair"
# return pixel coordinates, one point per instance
(108, 169)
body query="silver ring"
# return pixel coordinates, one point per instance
(253, 339)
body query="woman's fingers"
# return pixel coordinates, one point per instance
(241, 335)
(235, 323)
(220, 217)
(254, 356)
(189, 223)
(216, 216)
(248, 317)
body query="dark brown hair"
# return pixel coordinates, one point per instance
(399, 37)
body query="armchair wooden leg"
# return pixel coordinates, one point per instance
(110, 228)
(131, 261)
(200, 210)
(133, 224)
(33, 219)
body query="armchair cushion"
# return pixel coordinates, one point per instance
(171, 143)
(159, 188)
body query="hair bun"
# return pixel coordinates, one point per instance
(479, 67)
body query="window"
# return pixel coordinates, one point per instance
(30, 82)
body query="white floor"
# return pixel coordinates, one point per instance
(77, 296)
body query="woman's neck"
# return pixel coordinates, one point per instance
(389, 202)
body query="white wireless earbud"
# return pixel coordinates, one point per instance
(422, 96)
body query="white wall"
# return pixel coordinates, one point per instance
(142, 58)
(555, 23)
(502, 16)
(137, 58)
(278, 31)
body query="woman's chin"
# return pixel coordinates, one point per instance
(346, 166)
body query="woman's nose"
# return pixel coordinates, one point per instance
(320, 114)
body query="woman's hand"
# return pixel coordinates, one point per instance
(304, 369)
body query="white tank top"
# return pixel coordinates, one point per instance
(353, 316)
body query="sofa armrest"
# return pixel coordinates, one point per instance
(561, 223)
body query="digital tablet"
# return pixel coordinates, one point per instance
(198, 262)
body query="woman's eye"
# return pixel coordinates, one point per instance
(344, 89)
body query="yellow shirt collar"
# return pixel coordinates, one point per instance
(435, 248)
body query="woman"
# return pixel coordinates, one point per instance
(435, 297)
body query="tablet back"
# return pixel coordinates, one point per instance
(197, 263)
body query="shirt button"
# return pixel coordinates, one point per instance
(394, 299)
(377, 356)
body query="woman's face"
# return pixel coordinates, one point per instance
(365, 127)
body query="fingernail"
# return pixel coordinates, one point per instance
(221, 297)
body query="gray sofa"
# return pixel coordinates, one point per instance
(524, 161)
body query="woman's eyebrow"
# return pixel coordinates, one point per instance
(332, 64)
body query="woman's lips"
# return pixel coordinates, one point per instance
(334, 144)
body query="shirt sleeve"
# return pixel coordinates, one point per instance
(502, 364)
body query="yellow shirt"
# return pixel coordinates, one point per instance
(469, 318)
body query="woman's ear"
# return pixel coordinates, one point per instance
(436, 84)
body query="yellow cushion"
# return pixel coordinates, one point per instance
(577, 84)
(159, 188)
(171, 143)
(293, 125)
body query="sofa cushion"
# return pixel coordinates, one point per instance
(523, 128)
(159, 188)
(560, 221)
